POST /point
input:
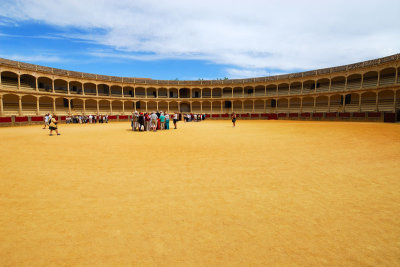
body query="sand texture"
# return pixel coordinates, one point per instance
(266, 193)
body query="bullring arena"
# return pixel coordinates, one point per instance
(309, 176)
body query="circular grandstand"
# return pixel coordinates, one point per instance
(367, 90)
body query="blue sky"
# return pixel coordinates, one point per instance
(191, 40)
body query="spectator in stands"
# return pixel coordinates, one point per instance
(53, 125)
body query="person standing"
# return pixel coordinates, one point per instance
(141, 122)
(147, 121)
(175, 120)
(162, 121)
(233, 119)
(53, 125)
(154, 121)
(46, 121)
(166, 121)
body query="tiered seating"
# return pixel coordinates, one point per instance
(352, 107)
(337, 86)
(259, 91)
(8, 83)
(354, 84)
(295, 89)
(368, 105)
(271, 91)
(385, 104)
(387, 79)
(323, 86)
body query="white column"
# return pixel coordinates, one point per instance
(211, 107)
(168, 105)
(68, 87)
(301, 100)
(19, 82)
(52, 86)
(84, 106)
(123, 107)
(111, 107)
(222, 107)
(329, 103)
(69, 106)
(36, 84)
(83, 88)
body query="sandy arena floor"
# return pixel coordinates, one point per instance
(263, 193)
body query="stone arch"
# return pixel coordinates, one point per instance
(283, 105)
(117, 107)
(104, 107)
(9, 80)
(368, 101)
(116, 91)
(351, 102)
(206, 92)
(294, 105)
(248, 106)
(227, 91)
(184, 92)
(260, 90)
(216, 107)
(45, 84)
(237, 106)
(370, 79)
(217, 92)
(151, 92)
(354, 81)
(308, 87)
(29, 104)
(75, 87)
(283, 89)
(76, 106)
(162, 92)
(336, 103)
(321, 104)
(237, 91)
(103, 89)
(207, 107)
(90, 88)
(387, 76)
(196, 93)
(129, 91)
(295, 88)
(173, 93)
(10, 104)
(338, 83)
(61, 86)
(385, 100)
(248, 91)
(271, 89)
(173, 106)
(28, 82)
(323, 85)
(91, 106)
(62, 106)
(196, 107)
(45, 104)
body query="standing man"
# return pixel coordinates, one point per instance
(175, 119)
(233, 119)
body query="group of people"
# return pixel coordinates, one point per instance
(194, 117)
(152, 121)
(87, 119)
(51, 122)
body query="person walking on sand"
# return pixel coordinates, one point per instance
(53, 125)
(233, 119)
(46, 120)
(175, 120)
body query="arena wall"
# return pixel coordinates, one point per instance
(364, 91)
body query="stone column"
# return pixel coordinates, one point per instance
(345, 83)
(344, 103)
(98, 108)
(222, 107)
(211, 107)
(97, 90)
(191, 107)
(243, 91)
(111, 107)
(52, 86)
(84, 106)
(362, 81)
(168, 105)
(83, 88)
(232, 91)
(201, 106)
(36, 84)
(19, 82)
(54, 105)
(301, 100)
(330, 84)
(68, 87)
(69, 106)
(329, 103)
(242, 106)
(20, 105)
(302, 86)
(123, 107)
(37, 106)
(146, 106)
(379, 79)
(1, 106)
(253, 106)
(157, 105)
(265, 106)
(288, 104)
(315, 104)
(376, 101)
(179, 106)
(396, 77)
(359, 102)
(211, 92)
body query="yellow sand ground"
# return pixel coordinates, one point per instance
(264, 193)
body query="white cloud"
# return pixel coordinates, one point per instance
(251, 35)
(35, 58)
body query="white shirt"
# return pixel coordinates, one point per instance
(167, 117)
(175, 116)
